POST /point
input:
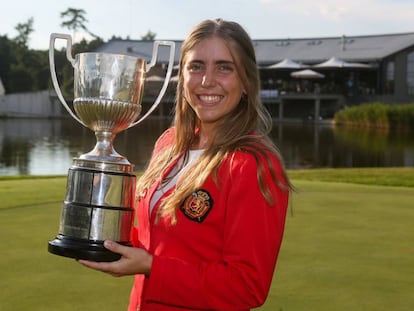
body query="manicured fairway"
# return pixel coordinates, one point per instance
(347, 247)
(33, 279)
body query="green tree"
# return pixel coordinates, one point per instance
(40, 71)
(149, 36)
(25, 70)
(7, 57)
(24, 30)
(84, 46)
(20, 78)
(76, 19)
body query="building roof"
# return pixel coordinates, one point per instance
(139, 48)
(365, 49)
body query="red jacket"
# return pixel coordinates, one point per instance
(222, 252)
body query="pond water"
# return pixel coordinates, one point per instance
(47, 147)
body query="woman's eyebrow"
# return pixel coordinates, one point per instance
(218, 62)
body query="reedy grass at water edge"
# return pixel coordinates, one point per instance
(377, 115)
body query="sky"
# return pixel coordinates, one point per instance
(173, 19)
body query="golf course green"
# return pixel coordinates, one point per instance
(348, 245)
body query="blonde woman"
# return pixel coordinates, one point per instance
(211, 205)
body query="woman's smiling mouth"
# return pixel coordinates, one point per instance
(210, 99)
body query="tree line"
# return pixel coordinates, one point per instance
(27, 70)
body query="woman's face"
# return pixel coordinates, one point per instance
(212, 85)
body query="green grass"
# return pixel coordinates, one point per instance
(32, 278)
(347, 246)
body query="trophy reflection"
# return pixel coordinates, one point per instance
(108, 90)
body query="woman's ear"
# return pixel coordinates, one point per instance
(244, 96)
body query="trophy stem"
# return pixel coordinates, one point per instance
(104, 150)
(105, 146)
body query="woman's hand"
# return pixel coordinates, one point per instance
(133, 261)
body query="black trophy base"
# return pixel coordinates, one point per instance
(81, 249)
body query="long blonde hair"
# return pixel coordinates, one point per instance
(244, 129)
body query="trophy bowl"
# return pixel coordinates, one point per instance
(98, 206)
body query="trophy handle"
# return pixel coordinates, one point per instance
(151, 64)
(55, 82)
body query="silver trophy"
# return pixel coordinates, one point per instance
(108, 90)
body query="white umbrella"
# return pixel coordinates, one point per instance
(307, 74)
(287, 63)
(174, 78)
(154, 78)
(335, 62)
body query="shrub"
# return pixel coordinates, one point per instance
(378, 115)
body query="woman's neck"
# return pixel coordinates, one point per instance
(204, 138)
(201, 143)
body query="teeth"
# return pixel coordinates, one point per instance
(210, 99)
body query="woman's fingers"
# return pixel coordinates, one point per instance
(132, 261)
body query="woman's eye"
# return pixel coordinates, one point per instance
(194, 67)
(225, 68)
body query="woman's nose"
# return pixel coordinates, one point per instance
(208, 79)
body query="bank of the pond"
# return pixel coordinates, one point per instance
(385, 176)
(388, 176)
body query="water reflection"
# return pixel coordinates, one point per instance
(42, 147)
(312, 146)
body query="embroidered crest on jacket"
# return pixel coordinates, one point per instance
(197, 205)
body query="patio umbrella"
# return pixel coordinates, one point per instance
(285, 64)
(335, 62)
(174, 78)
(307, 74)
(154, 78)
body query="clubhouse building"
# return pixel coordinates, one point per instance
(309, 78)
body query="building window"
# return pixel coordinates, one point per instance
(315, 42)
(390, 76)
(410, 73)
(282, 43)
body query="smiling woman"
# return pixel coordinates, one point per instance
(211, 205)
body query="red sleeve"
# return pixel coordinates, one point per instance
(253, 233)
